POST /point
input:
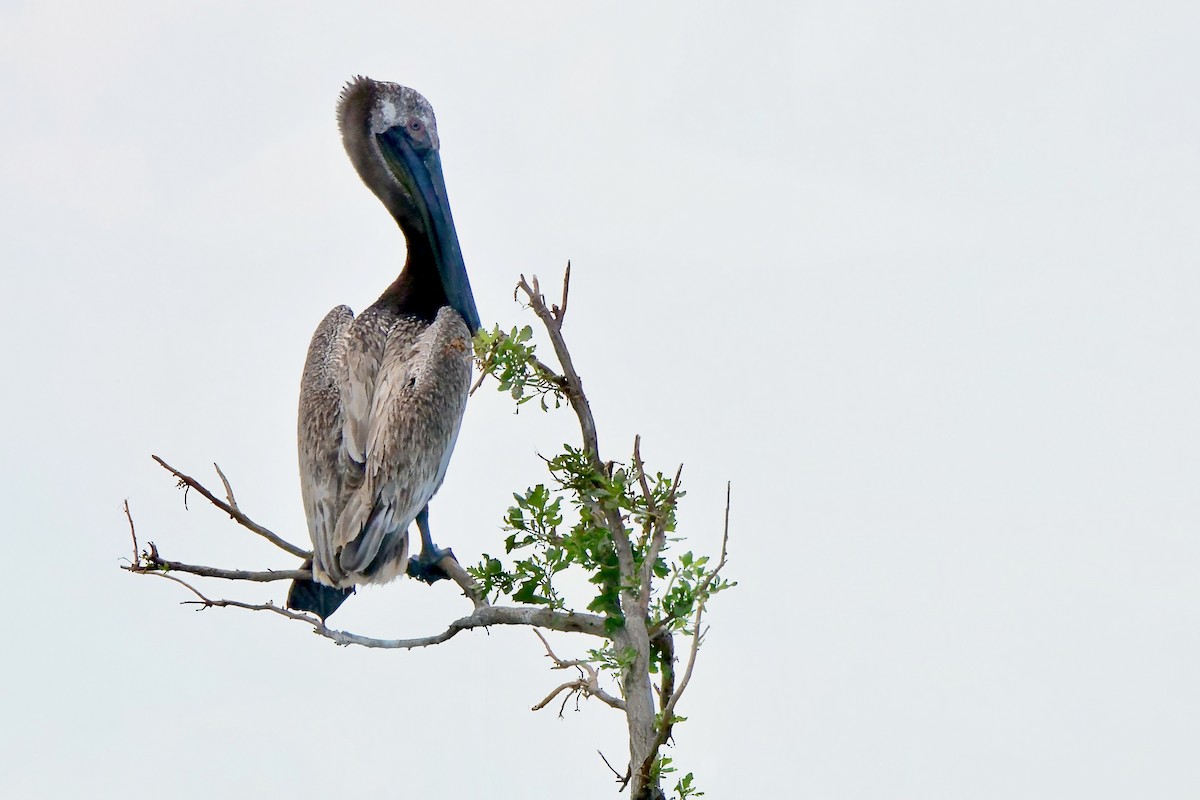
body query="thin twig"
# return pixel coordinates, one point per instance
(641, 473)
(702, 589)
(132, 533)
(560, 311)
(572, 686)
(621, 779)
(228, 489)
(233, 512)
(207, 602)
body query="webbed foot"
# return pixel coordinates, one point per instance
(425, 566)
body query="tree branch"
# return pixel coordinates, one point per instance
(553, 319)
(588, 686)
(658, 538)
(150, 561)
(482, 617)
(233, 511)
(668, 709)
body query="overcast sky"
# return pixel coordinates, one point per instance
(921, 279)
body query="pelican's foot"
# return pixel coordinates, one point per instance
(425, 566)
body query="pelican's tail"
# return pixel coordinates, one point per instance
(309, 595)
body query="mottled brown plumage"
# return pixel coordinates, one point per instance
(383, 394)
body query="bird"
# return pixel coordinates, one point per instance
(382, 395)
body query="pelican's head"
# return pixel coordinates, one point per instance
(391, 137)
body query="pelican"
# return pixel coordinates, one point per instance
(383, 394)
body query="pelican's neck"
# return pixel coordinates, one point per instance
(417, 290)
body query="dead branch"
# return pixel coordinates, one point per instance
(206, 602)
(623, 780)
(552, 320)
(587, 685)
(132, 532)
(233, 511)
(151, 561)
(483, 617)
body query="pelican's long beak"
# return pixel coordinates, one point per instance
(419, 169)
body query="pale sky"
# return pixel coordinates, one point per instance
(920, 279)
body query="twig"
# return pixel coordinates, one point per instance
(621, 779)
(560, 312)
(641, 473)
(132, 533)
(233, 512)
(588, 687)
(702, 589)
(207, 602)
(228, 489)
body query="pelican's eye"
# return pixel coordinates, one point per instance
(415, 126)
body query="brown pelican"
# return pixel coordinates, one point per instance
(383, 393)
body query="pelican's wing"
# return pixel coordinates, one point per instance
(324, 478)
(417, 408)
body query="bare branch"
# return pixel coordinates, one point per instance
(574, 386)
(483, 616)
(228, 489)
(571, 687)
(621, 779)
(483, 373)
(151, 562)
(233, 512)
(207, 602)
(132, 533)
(702, 589)
(641, 473)
(560, 311)
(588, 686)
